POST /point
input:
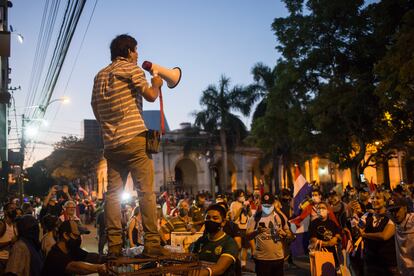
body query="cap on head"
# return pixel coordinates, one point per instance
(268, 198)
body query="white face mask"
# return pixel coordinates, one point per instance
(267, 209)
(316, 199)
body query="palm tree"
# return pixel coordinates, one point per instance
(218, 103)
(264, 78)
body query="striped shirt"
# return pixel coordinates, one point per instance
(176, 224)
(117, 102)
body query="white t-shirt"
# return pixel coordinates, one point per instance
(404, 245)
(268, 244)
(237, 215)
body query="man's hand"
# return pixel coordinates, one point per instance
(53, 190)
(156, 81)
(101, 269)
(261, 229)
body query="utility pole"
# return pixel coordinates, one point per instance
(4, 93)
(22, 156)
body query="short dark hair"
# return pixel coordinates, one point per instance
(323, 203)
(120, 46)
(50, 222)
(238, 192)
(219, 208)
(317, 191)
(224, 205)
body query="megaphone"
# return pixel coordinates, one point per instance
(171, 76)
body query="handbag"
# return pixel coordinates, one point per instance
(344, 266)
(153, 141)
(322, 262)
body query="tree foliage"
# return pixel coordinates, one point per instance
(72, 158)
(329, 97)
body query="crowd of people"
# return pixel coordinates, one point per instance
(374, 230)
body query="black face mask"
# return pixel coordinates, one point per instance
(73, 245)
(183, 212)
(12, 214)
(212, 227)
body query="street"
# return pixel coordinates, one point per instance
(90, 244)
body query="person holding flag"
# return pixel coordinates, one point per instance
(303, 214)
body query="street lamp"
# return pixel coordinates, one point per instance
(64, 100)
(20, 37)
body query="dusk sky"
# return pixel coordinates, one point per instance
(205, 38)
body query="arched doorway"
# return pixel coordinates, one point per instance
(185, 174)
(232, 176)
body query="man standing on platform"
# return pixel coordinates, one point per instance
(117, 104)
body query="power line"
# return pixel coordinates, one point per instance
(76, 58)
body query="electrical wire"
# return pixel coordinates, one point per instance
(67, 29)
(76, 60)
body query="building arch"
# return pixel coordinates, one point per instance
(232, 173)
(186, 175)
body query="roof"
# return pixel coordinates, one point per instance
(152, 120)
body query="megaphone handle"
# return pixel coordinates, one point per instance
(162, 122)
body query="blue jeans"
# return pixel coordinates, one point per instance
(131, 158)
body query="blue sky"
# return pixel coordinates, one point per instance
(205, 38)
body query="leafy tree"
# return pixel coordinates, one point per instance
(72, 158)
(284, 131)
(217, 118)
(396, 86)
(333, 47)
(264, 78)
(39, 180)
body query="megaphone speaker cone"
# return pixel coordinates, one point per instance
(171, 76)
(176, 79)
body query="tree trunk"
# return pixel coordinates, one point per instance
(223, 186)
(356, 180)
(386, 171)
(276, 183)
(289, 178)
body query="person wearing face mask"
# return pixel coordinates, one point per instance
(268, 231)
(49, 239)
(363, 199)
(311, 210)
(180, 223)
(404, 234)
(339, 208)
(68, 258)
(197, 211)
(216, 249)
(240, 212)
(324, 232)
(7, 234)
(26, 257)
